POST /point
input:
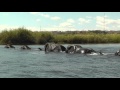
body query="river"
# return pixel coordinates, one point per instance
(16, 63)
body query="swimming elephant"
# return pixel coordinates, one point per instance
(87, 51)
(52, 47)
(25, 47)
(117, 53)
(79, 49)
(73, 49)
(9, 46)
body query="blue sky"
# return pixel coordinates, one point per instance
(60, 21)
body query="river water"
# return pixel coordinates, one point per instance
(16, 63)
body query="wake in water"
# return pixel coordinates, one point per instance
(102, 54)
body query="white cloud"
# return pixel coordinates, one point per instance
(41, 14)
(7, 27)
(89, 17)
(58, 28)
(107, 23)
(68, 23)
(65, 24)
(38, 20)
(55, 18)
(50, 17)
(44, 15)
(83, 21)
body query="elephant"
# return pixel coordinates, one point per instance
(79, 49)
(88, 51)
(52, 47)
(25, 47)
(73, 49)
(9, 46)
(117, 53)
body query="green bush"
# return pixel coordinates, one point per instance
(16, 36)
(25, 36)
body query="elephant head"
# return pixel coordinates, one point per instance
(25, 47)
(117, 53)
(79, 49)
(9, 46)
(52, 47)
(87, 51)
(73, 49)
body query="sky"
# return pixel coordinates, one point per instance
(60, 21)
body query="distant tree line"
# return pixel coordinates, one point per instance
(25, 36)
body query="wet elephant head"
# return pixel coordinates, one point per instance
(73, 49)
(87, 51)
(49, 47)
(117, 53)
(79, 49)
(52, 47)
(25, 47)
(9, 46)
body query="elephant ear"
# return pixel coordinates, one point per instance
(53, 46)
(71, 49)
(63, 48)
(56, 49)
(78, 46)
(46, 47)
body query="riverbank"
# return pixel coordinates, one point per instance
(24, 36)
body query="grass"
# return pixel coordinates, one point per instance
(25, 36)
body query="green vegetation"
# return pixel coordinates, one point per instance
(25, 36)
(16, 36)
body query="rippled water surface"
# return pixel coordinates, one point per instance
(16, 63)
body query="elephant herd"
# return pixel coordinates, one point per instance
(51, 47)
(70, 49)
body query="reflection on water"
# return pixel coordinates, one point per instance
(16, 63)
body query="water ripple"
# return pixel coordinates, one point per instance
(36, 64)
